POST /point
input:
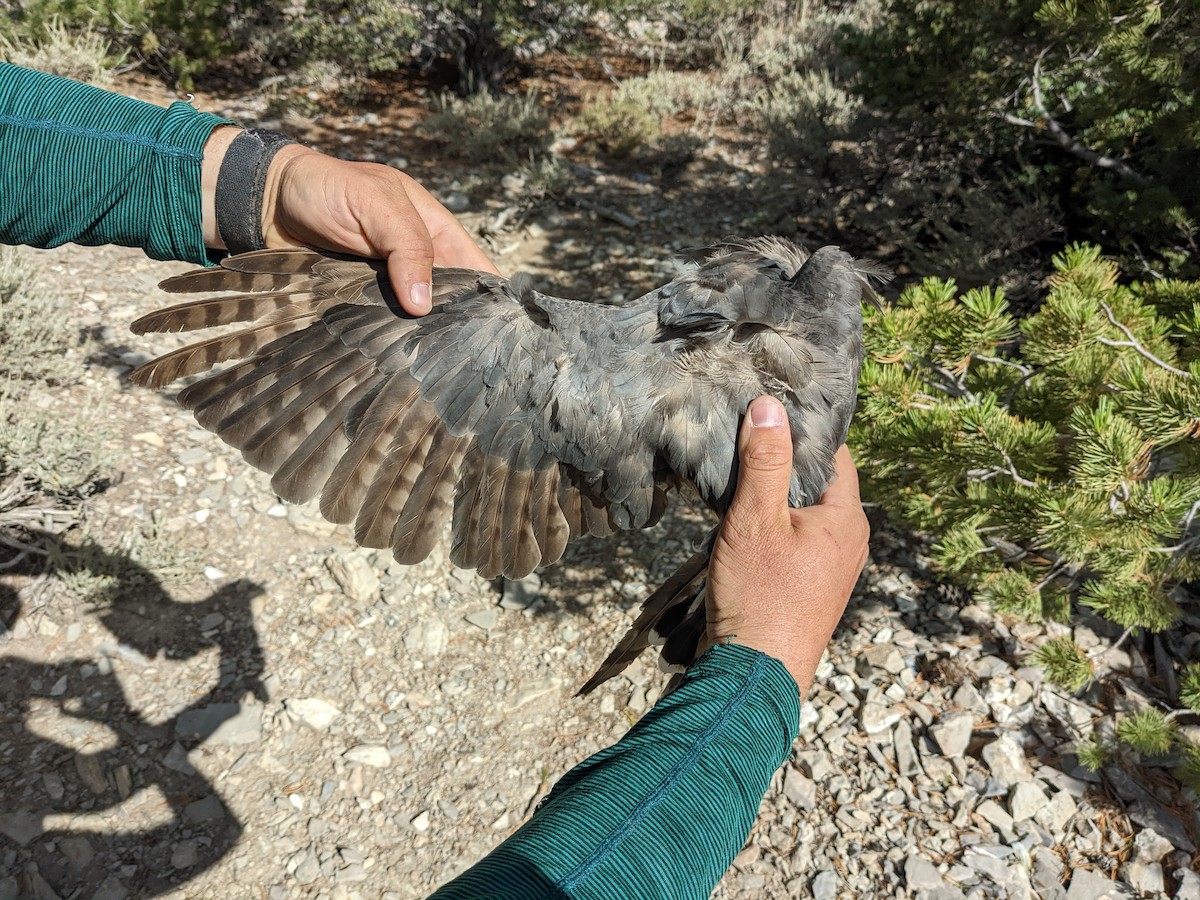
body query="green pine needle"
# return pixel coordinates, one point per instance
(1189, 688)
(1065, 663)
(1093, 754)
(1053, 459)
(1147, 731)
(1189, 768)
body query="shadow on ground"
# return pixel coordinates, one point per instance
(59, 798)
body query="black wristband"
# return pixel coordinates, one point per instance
(240, 184)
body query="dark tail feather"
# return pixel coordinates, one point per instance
(673, 617)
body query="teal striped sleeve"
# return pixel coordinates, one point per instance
(84, 165)
(661, 813)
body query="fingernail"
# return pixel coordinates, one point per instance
(767, 412)
(420, 296)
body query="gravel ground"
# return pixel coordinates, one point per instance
(263, 711)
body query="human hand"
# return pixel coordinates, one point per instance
(314, 200)
(780, 578)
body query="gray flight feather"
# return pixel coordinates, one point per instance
(527, 420)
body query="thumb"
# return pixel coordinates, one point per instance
(395, 228)
(410, 270)
(765, 457)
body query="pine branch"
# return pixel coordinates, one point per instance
(1012, 391)
(955, 385)
(1186, 544)
(1012, 469)
(1024, 370)
(1133, 342)
(1055, 570)
(1066, 140)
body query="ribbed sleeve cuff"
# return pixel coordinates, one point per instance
(778, 696)
(88, 166)
(177, 231)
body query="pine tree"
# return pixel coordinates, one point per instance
(1098, 103)
(1056, 461)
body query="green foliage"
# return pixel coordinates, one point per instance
(802, 114)
(664, 93)
(31, 342)
(632, 115)
(81, 54)
(1094, 754)
(1099, 100)
(1065, 663)
(1056, 461)
(180, 36)
(486, 41)
(485, 128)
(362, 37)
(35, 20)
(1189, 767)
(546, 178)
(620, 125)
(65, 457)
(142, 556)
(1189, 687)
(48, 463)
(1148, 732)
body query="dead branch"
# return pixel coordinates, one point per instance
(1066, 140)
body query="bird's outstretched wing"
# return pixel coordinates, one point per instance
(397, 422)
(529, 420)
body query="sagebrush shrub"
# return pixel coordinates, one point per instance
(47, 461)
(81, 54)
(803, 113)
(32, 343)
(484, 128)
(620, 125)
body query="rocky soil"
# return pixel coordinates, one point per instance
(261, 710)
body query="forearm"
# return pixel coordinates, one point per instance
(88, 166)
(663, 812)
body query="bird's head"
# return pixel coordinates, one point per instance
(742, 287)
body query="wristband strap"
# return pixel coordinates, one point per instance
(240, 185)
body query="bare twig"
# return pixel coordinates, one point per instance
(1012, 470)
(1066, 140)
(1058, 567)
(1186, 544)
(984, 474)
(1133, 343)
(1025, 370)
(1100, 651)
(20, 545)
(15, 561)
(605, 212)
(1017, 120)
(955, 385)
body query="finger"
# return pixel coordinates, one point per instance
(765, 456)
(410, 271)
(408, 248)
